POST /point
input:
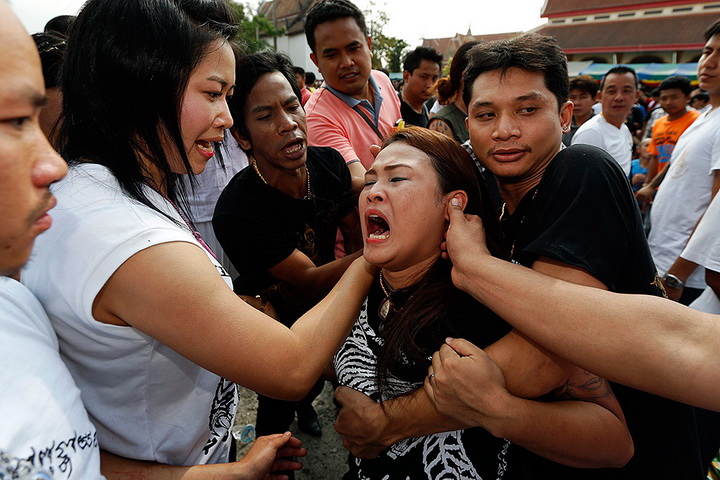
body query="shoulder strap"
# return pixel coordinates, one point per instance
(368, 121)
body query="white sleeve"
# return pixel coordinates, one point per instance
(703, 247)
(588, 136)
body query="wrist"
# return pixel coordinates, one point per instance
(673, 281)
(495, 416)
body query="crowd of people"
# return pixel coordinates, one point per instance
(467, 259)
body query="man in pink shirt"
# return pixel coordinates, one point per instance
(356, 107)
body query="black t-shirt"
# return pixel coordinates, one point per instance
(446, 455)
(583, 214)
(410, 116)
(259, 226)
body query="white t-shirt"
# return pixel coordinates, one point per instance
(147, 401)
(43, 418)
(703, 248)
(684, 193)
(615, 141)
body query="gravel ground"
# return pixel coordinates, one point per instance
(326, 458)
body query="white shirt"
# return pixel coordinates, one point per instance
(43, 418)
(703, 248)
(615, 141)
(146, 400)
(684, 193)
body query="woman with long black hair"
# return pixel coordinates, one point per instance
(146, 317)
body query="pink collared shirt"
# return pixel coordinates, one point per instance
(332, 123)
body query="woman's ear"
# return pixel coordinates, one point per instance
(461, 196)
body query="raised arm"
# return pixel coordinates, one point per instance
(312, 281)
(173, 293)
(679, 358)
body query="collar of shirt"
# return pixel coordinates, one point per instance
(353, 102)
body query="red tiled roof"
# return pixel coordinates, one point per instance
(448, 45)
(562, 8)
(679, 32)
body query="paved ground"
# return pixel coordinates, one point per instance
(326, 459)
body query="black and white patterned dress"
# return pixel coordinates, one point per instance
(471, 454)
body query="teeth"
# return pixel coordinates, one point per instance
(204, 146)
(295, 149)
(376, 236)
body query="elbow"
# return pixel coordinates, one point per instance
(296, 385)
(622, 454)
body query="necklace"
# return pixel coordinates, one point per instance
(308, 196)
(386, 306)
(194, 232)
(522, 219)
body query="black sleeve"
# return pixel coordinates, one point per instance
(475, 322)
(584, 213)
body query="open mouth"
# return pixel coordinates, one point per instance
(378, 228)
(293, 147)
(205, 147)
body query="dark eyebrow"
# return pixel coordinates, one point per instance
(261, 108)
(354, 43)
(220, 80)
(291, 99)
(529, 96)
(267, 108)
(39, 100)
(521, 98)
(393, 166)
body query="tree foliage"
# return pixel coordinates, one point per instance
(387, 51)
(253, 27)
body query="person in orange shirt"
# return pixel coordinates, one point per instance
(674, 98)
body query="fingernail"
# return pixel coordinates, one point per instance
(455, 202)
(449, 340)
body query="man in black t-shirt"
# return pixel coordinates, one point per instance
(568, 213)
(421, 69)
(277, 219)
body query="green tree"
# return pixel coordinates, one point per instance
(253, 27)
(387, 51)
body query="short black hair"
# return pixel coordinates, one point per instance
(676, 81)
(414, 58)
(328, 11)
(248, 71)
(584, 83)
(299, 70)
(309, 78)
(531, 52)
(51, 47)
(703, 96)
(619, 70)
(712, 30)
